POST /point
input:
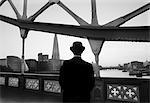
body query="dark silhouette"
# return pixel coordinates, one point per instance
(76, 77)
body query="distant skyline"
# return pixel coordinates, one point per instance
(113, 52)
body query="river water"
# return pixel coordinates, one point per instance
(118, 74)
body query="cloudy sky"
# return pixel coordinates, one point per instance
(113, 53)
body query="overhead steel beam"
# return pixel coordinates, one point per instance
(15, 9)
(138, 34)
(34, 16)
(24, 16)
(2, 2)
(76, 17)
(94, 13)
(127, 17)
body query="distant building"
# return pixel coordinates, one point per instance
(3, 65)
(45, 57)
(14, 63)
(32, 65)
(127, 66)
(44, 66)
(56, 64)
(146, 65)
(42, 57)
(136, 65)
(50, 65)
(55, 52)
(3, 62)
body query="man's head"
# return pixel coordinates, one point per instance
(77, 48)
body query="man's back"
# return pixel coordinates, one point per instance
(77, 78)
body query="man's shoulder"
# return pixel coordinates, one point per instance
(87, 62)
(66, 61)
(80, 60)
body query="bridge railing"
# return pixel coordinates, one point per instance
(127, 90)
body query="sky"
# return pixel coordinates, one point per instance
(113, 52)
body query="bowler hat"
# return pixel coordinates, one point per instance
(77, 48)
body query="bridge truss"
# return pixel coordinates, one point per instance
(95, 33)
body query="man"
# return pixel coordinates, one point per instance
(76, 77)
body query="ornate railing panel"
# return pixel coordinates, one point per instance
(32, 84)
(123, 92)
(52, 86)
(13, 81)
(2, 80)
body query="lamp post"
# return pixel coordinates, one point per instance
(23, 33)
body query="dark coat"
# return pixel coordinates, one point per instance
(76, 80)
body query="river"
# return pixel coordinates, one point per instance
(119, 74)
